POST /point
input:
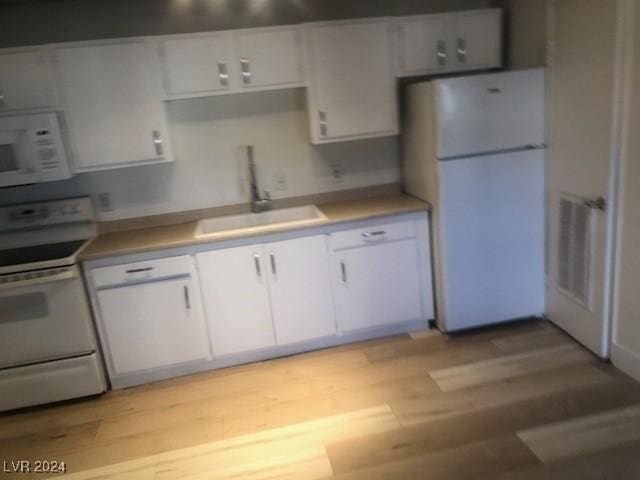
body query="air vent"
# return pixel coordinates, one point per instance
(574, 252)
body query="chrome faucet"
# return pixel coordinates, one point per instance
(258, 202)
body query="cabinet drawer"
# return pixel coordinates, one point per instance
(142, 271)
(373, 234)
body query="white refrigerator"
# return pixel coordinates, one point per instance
(474, 148)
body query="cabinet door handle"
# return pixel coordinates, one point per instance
(223, 74)
(256, 260)
(139, 270)
(157, 143)
(343, 270)
(2, 97)
(441, 53)
(377, 233)
(273, 263)
(245, 68)
(462, 50)
(187, 301)
(324, 130)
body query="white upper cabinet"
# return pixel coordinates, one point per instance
(269, 58)
(352, 91)
(24, 80)
(112, 104)
(428, 44)
(478, 41)
(300, 287)
(197, 64)
(423, 45)
(225, 62)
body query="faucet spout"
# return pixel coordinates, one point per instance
(258, 202)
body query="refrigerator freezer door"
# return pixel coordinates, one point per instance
(491, 232)
(489, 113)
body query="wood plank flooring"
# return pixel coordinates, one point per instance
(521, 401)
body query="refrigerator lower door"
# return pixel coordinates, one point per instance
(491, 239)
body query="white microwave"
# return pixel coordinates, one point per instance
(32, 150)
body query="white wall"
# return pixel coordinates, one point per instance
(526, 29)
(626, 335)
(210, 169)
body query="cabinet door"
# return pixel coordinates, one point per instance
(269, 58)
(377, 285)
(236, 299)
(112, 104)
(423, 44)
(300, 286)
(478, 39)
(24, 81)
(198, 64)
(153, 325)
(351, 86)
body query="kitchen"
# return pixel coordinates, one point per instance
(265, 202)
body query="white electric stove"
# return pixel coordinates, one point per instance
(48, 347)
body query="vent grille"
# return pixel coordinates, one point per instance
(574, 252)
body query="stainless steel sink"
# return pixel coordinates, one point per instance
(297, 216)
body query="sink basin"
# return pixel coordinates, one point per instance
(297, 216)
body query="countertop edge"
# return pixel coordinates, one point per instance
(87, 256)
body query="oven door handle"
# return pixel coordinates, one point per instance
(69, 274)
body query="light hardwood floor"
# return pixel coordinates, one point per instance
(513, 402)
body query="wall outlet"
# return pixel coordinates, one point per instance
(280, 181)
(337, 173)
(104, 202)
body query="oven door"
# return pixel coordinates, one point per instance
(15, 152)
(44, 315)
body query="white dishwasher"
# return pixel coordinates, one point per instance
(150, 315)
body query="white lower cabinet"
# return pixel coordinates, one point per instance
(377, 284)
(151, 316)
(262, 295)
(300, 287)
(236, 299)
(207, 309)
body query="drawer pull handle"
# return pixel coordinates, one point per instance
(223, 74)
(256, 259)
(343, 269)
(187, 301)
(246, 71)
(140, 270)
(377, 233)
(157, 143)
(273, 263)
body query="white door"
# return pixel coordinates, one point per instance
(489, 113)
(153, 325)
(478, 39)
(300, 286)
(197, 64)
(269, 57)
(112, 104)
(491, 237)
(352, 88)
(377, 285)
(582, 85)
(24, 81)
(423, 44)
(236, 297)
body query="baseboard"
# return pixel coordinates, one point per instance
(626, 360)
(129, 380)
